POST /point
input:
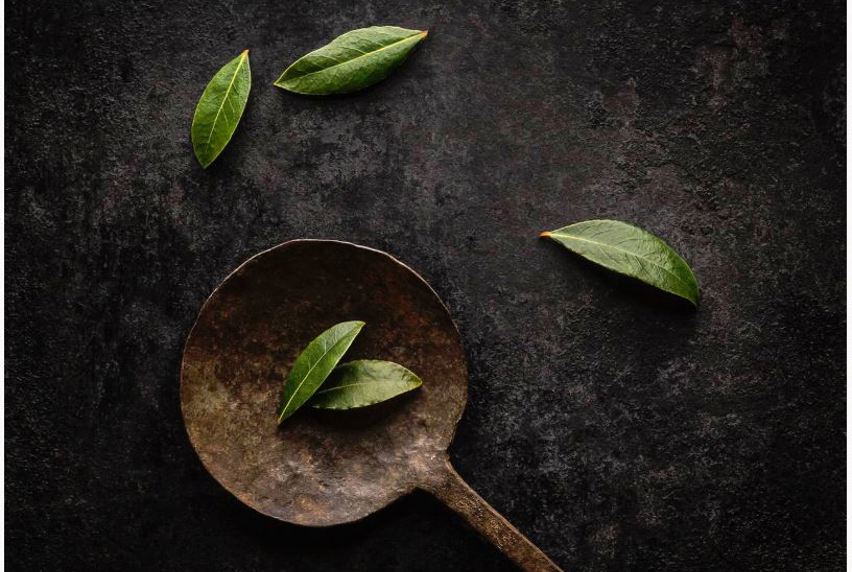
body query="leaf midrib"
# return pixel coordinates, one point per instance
(606, 245)
(336, 387)
(364, 55)
(243, 57)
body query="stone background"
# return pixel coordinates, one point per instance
(618, 430)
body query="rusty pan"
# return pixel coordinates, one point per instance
(322, 468)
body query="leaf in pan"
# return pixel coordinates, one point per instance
(314, 364)
(364, 382)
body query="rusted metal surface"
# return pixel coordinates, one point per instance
(322, 468)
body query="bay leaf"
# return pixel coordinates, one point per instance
(631, 251)
(364, 382)
(351, 62)
(314, 364)
(220, 108)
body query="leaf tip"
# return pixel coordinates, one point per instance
(280, 84)
(245, 52)
(694, 299)
(204, 164)
(544, 234)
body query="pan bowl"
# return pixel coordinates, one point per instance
(319, 468)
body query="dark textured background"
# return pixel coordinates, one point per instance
(620, 432)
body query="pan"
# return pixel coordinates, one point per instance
(323, 468)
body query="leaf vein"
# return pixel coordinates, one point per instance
(227, 93)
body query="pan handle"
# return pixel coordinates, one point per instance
(448, 487)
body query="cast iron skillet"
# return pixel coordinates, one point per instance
(322, 468)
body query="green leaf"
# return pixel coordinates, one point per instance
(364, 382)
(219, 110)
(353, 61)
(632, 251)
(314, 364)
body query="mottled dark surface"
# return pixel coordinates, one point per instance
(618, 431)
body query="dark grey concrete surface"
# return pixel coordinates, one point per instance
(619, 431)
